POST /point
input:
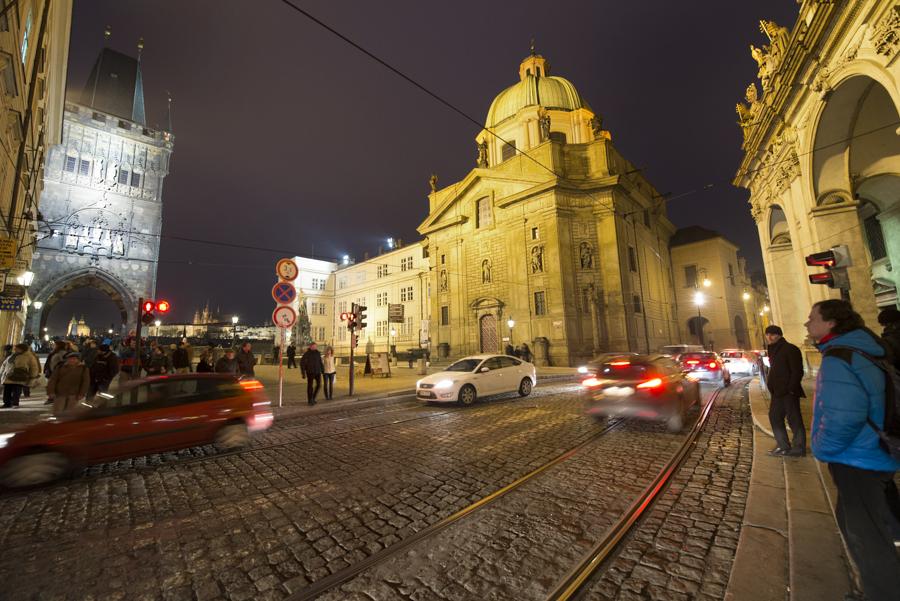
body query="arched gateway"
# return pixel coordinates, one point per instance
(102, 196)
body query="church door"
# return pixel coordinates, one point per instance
(489, 340)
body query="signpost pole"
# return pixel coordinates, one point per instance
(137, 341)
(352, 333)
(281, 367)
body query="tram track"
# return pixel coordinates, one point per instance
(568, 586)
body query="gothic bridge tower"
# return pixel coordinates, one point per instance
(102, 194)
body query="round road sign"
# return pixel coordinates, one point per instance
(284, 293)
(284, 317)
(286, 269)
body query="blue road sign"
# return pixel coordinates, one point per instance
(284, 293)
(10, 304)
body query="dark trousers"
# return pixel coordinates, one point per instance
(787, 406)
(864, 519)
(329, 385)
(310, 391)
(291, 363)
(11, 394)
(97, 387)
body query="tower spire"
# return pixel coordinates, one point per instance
(107, 32)
(138, 114)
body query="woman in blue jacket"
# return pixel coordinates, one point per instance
(849, 390)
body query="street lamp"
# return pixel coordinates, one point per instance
(393, 333)
(38, 305)
(699, 299)
(510, 323)
(234, 322)
(25, 279)
(746, 296)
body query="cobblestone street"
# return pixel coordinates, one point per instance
(319, 493)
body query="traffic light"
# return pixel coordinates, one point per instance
(354, 340)
(835, 261)
(361, 317)
(163, 306)
(147, 316)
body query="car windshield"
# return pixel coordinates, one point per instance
(622, 369)
(464, 365)
(733, 355)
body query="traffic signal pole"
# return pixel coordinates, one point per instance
(350, 375)
(137, 340)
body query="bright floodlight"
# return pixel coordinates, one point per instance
(746, 296)
(26, 278)
(766, 308)
(157, 323)
(390, 243)
(393, 332)
(345, 259)
(707, 282)
(38, 305)
(234, 319)
(699, 299)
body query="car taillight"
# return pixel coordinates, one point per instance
(591, 382)
(251, 384)
(620, 363)
(713, 365)
(693, 362)
(654, 383)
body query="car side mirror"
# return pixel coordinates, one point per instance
(484, 369)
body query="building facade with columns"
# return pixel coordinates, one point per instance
(822, 153)
(553, 229)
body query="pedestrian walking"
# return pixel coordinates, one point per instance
(69, 384)
(849, 404)
(526, 353)
(129, 366)
(510, 350)
(89, 354)
(159, 363)
(205, 365)
(103, 371)
(312, 368)
(785, 390)
(35, 369)
(18, 371)
(55, 358)
(329, 372)
(181, 360)
(228, 363)
(291, 355)
(246, 360)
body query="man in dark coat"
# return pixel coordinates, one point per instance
(291, 355)
(889, 319)
(103, 370)
(246, 360)
(784, 383)
(312, 368)
(227, 364)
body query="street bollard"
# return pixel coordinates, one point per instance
(420, 366)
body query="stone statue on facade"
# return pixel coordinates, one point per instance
(433, 181)
(304, 329)
(587, 255)
(482, 161)
(544, 123)
(537, 259)
(444, 285)
(486, 271)
(597, 125)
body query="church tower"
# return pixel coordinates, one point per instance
(103, 193)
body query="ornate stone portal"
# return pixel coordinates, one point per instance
(102, 197)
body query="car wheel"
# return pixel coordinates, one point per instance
(232, 436)
(33, 469)
(525, 387)
(467, 395)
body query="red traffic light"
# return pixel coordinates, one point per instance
(822, 278)
(148, 306)
(345, 316)
(163, 306)
(823, 259)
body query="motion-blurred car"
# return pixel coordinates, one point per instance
(673, 350)
(477, 376)
(705, 367)
(153, 415)
(652, 387)
(739, 361)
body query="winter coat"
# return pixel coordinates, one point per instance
(785, 370)
(89, 355)
(105, 368)
(891, 338)
(20, 368)
(246, 361)
(204, 366)
(69, 380)
(181, 358)
(846, 394)
(54, 360)
(291, 351)
(226, 366)
(311, 363)
(328, 364)
(159, 364)
(127, 362)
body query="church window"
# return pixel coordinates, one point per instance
(26, 35)
(535, 233)
(508, 151)
(123, 176)
(98, 117)
(484, 217)
(70, 163)
(632, 259)
(558, 136)
(124, 124)
(445, 315)
(136, 179)
(84, 167)
(540, 303)
(647, 218)
(443, 259)
(638, 306)
(690, 276)
(537, 71)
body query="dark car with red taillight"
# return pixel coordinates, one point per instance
(650, 387)
(152, 415)
(705, 367)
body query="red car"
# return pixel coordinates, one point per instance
(153, 415)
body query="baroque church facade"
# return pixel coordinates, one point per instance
(822, 154)
(553, 232)
(102, 194)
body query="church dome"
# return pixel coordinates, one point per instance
(535, 87)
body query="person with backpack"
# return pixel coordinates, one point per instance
(853, 424)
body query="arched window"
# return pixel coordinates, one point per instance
(558, 136)
(778, 226)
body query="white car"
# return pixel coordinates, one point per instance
(739, 361)
(477, 376)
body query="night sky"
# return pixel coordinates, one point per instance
(291, 141)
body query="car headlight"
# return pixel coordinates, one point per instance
(418, 383)
(444, 384)
(583, 369)
(5, 438)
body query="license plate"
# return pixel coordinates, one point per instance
(426, 395)
(618, 391)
